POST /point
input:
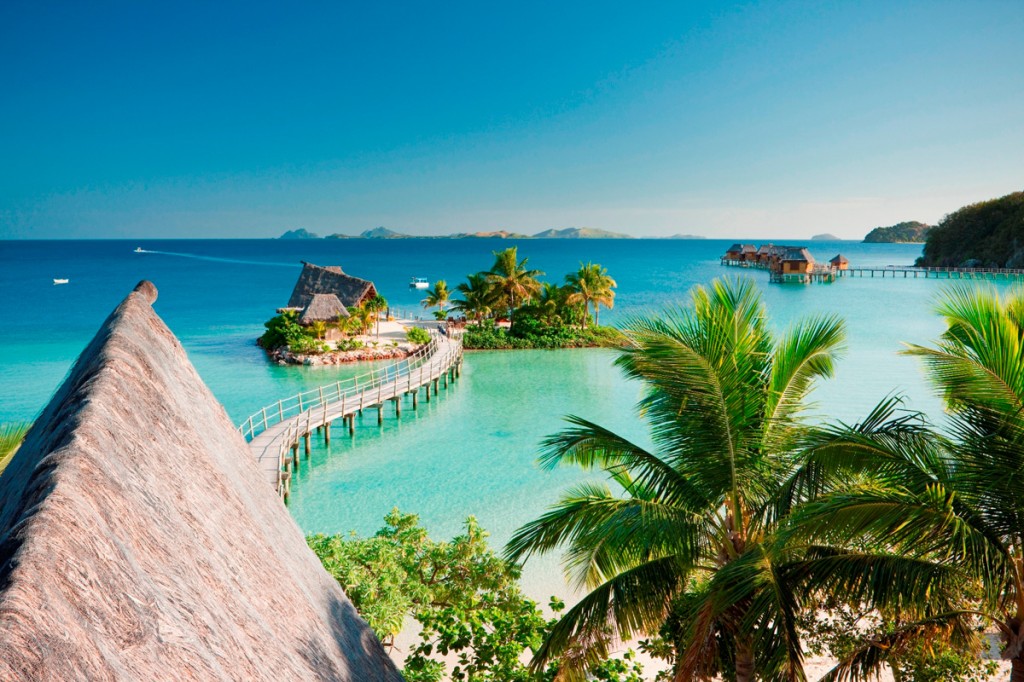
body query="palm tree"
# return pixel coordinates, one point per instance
(477, 296)
(551, 302)
(344, 324)
(361, 318)
(376, 305)
(438, 296)
(591, 284)
(11, 436)
(723, 404)
(950, 508)
(319, 328)
(513, 282)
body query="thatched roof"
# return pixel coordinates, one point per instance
(323, 308)
(317, 279)
(735, 248)
(839, 259)
(798, 254)
(139, 540)
(749, 248)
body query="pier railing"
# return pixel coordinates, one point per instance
(337, 392)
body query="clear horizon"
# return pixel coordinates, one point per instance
(738, 121)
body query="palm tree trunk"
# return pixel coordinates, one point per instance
(744, 661)
(597, 314)
(1017, 668)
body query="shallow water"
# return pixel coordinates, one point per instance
(473, 450)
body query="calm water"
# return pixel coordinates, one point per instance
(472, 451)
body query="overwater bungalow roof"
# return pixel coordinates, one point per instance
(318, 279)
(798, 254)
(839, 259)
(323, 308)
(139, 540)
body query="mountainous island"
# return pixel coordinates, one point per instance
(385, 233)
(910, 232)
(986, 234)
(826, 237)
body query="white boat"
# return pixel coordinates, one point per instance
(138, 249)
(419, 283)
(60, 281)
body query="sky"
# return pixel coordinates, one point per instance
(773, 119)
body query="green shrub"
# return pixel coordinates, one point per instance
(417, 335)
(307, 346)
(282, 330)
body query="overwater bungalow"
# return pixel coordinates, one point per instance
(740, 253)
(840, 262)
(317, 279)
(796, 261)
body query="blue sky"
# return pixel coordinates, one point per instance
(725, 120)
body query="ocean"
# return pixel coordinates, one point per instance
(473, 451)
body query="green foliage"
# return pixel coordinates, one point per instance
(465, 598)
(349, 344)
(307, 345)
(989, 234)
(417, 335)
(11, 436)
(910, 232)
(282, 330)
(528, 332)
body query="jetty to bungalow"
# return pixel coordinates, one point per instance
(139, 540)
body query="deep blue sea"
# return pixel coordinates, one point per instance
(472, 451)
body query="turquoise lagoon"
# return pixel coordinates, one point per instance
(472, 451)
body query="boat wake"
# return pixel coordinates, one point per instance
(217, 259)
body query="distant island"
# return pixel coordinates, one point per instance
(987, 234)
(299, 234)
(910, 232)
(826, 237)
(682, 236)
(385, 233)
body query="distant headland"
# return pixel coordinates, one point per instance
(385, 233)
(910, 232)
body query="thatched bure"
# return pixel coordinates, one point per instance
(323, 308)
(317, 279)
(139, 540)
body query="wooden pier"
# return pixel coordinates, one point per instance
(275, 433)
(907, 271)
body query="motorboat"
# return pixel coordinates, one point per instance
(60, 281)
(419, 283)
(138, 249)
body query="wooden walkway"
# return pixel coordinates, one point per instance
(933, 273)
(274, 433)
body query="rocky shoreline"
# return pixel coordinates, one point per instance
(283, 356)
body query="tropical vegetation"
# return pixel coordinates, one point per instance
(465, 599)
(690, 530)
(747, 536)
(538, 314)
(11, 436)
(985, 234)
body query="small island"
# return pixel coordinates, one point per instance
(825, 237)
(910, 232)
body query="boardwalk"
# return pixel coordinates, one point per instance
(275, 432)
(934, 273)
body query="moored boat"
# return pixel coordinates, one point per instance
(418, 283)
(60, 281)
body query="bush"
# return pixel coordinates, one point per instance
(306, 345)
(529, 332)
(417, 335)
(282, 330)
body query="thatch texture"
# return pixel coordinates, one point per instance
(317, 279)
(798, 254)
(322, 308)
(139, 540)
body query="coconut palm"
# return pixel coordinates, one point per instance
(344, 324)
(951, 509)
(477, 297)
(512, 281)
(361, 318)
(11, 436)
(376, 306)
(319, 328)
(591, 284)
(438, 296)
(723, 403)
